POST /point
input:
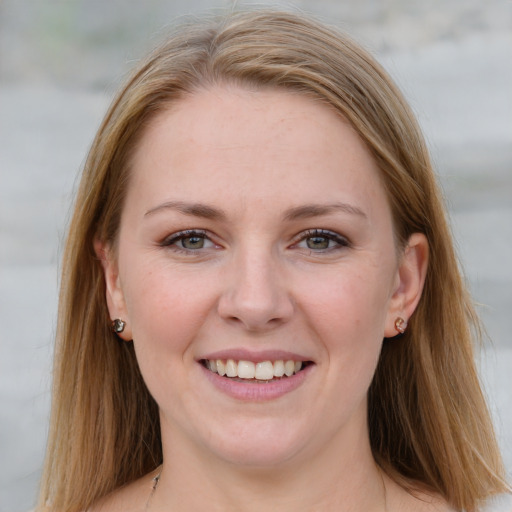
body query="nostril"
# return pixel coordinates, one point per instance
(255, 295)
(253, 315)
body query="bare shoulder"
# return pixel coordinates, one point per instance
(402, 500)
(423, 502)
(129, 498)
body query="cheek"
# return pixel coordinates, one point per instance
(348, 301)
(168, 311)
(166, 308)
(348, 314)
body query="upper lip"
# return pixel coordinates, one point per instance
(242, 354)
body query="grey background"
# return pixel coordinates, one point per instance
(60, 63)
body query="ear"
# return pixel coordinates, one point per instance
(114, 293)
(410, 278)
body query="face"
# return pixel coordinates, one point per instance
(256, 239)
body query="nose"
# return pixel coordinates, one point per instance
(255, 294)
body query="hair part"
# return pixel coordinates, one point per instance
(428, 421)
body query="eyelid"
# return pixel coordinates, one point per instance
(178, 235)
(341, 240)
(171, 240)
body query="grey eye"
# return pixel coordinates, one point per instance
(189, 240)
(192, 242)
(322, 240)
(318, 242)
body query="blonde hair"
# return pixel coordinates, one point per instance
(428, 420)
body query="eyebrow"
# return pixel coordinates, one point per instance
(193, 209)
(297, 213)
(316, 210)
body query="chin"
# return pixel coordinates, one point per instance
(257, 444)
(256, 456)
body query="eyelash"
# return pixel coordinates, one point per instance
(329, 236)
(172, 241)
(340, 240)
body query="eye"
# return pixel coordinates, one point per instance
(321, 240)
(189, 240)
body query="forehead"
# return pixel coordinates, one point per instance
(240, 145)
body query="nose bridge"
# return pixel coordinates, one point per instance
(255, 292)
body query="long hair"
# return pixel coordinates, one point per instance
(428, 421)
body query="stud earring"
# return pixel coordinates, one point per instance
(117, 326)
(400, 325)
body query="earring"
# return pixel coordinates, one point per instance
(400, 325)
(117, 326)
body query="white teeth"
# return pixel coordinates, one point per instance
(231, 368)
(278, 368)
(221, 367)
(289, 368)
(265, 370)
(246, 369)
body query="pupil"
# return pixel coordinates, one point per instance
(193, 242)
(318, 242)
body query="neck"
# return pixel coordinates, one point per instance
(342, 480)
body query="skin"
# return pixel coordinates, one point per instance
(254, 277)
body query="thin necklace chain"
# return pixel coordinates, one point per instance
(384, 489)
(156, 479)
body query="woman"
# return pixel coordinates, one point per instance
(261, 306)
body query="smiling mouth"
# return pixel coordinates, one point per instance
(247, 371)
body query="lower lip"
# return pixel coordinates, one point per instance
(257, 392)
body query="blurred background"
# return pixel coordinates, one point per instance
(60, 64)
